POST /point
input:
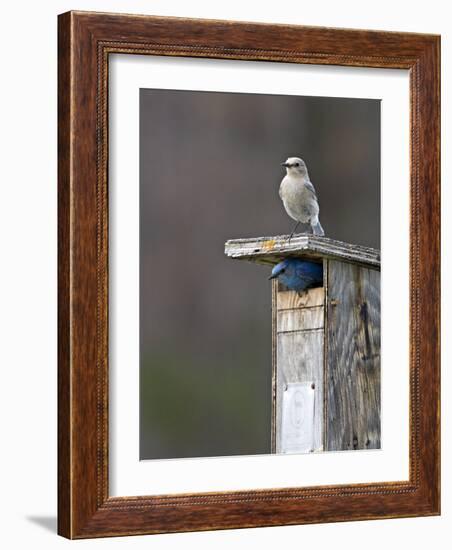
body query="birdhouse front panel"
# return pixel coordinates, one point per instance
(299, 344)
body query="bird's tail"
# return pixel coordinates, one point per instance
(317, 229)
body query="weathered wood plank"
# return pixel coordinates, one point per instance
(353, 357)
(271, 250)
(290, 320)
(288, 299)
(299, 357)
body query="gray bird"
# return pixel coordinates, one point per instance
(299, 198)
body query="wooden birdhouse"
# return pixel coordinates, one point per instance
(326, 345)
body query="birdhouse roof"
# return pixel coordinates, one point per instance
(271, 250)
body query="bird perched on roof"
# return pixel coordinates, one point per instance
(299, 197)
(297, 274)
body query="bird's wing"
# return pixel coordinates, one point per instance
(310, 188)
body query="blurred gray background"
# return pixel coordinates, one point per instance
(210, 171)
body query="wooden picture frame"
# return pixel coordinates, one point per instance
(85, 42)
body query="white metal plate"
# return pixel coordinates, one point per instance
(297, 426)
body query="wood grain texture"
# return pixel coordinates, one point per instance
(310, 318)
(85, 42)
(299, 358)
(271, 250)
(287, 299)
(353, 402)
(64, 295)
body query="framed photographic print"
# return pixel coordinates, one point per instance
(248, 275)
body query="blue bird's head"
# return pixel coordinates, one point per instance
(279, 269)
(298, 274)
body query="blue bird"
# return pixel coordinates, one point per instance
(297, 274)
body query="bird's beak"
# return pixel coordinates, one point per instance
(272, 277)
(286, 164)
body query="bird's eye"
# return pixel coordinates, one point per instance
(297, 164)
